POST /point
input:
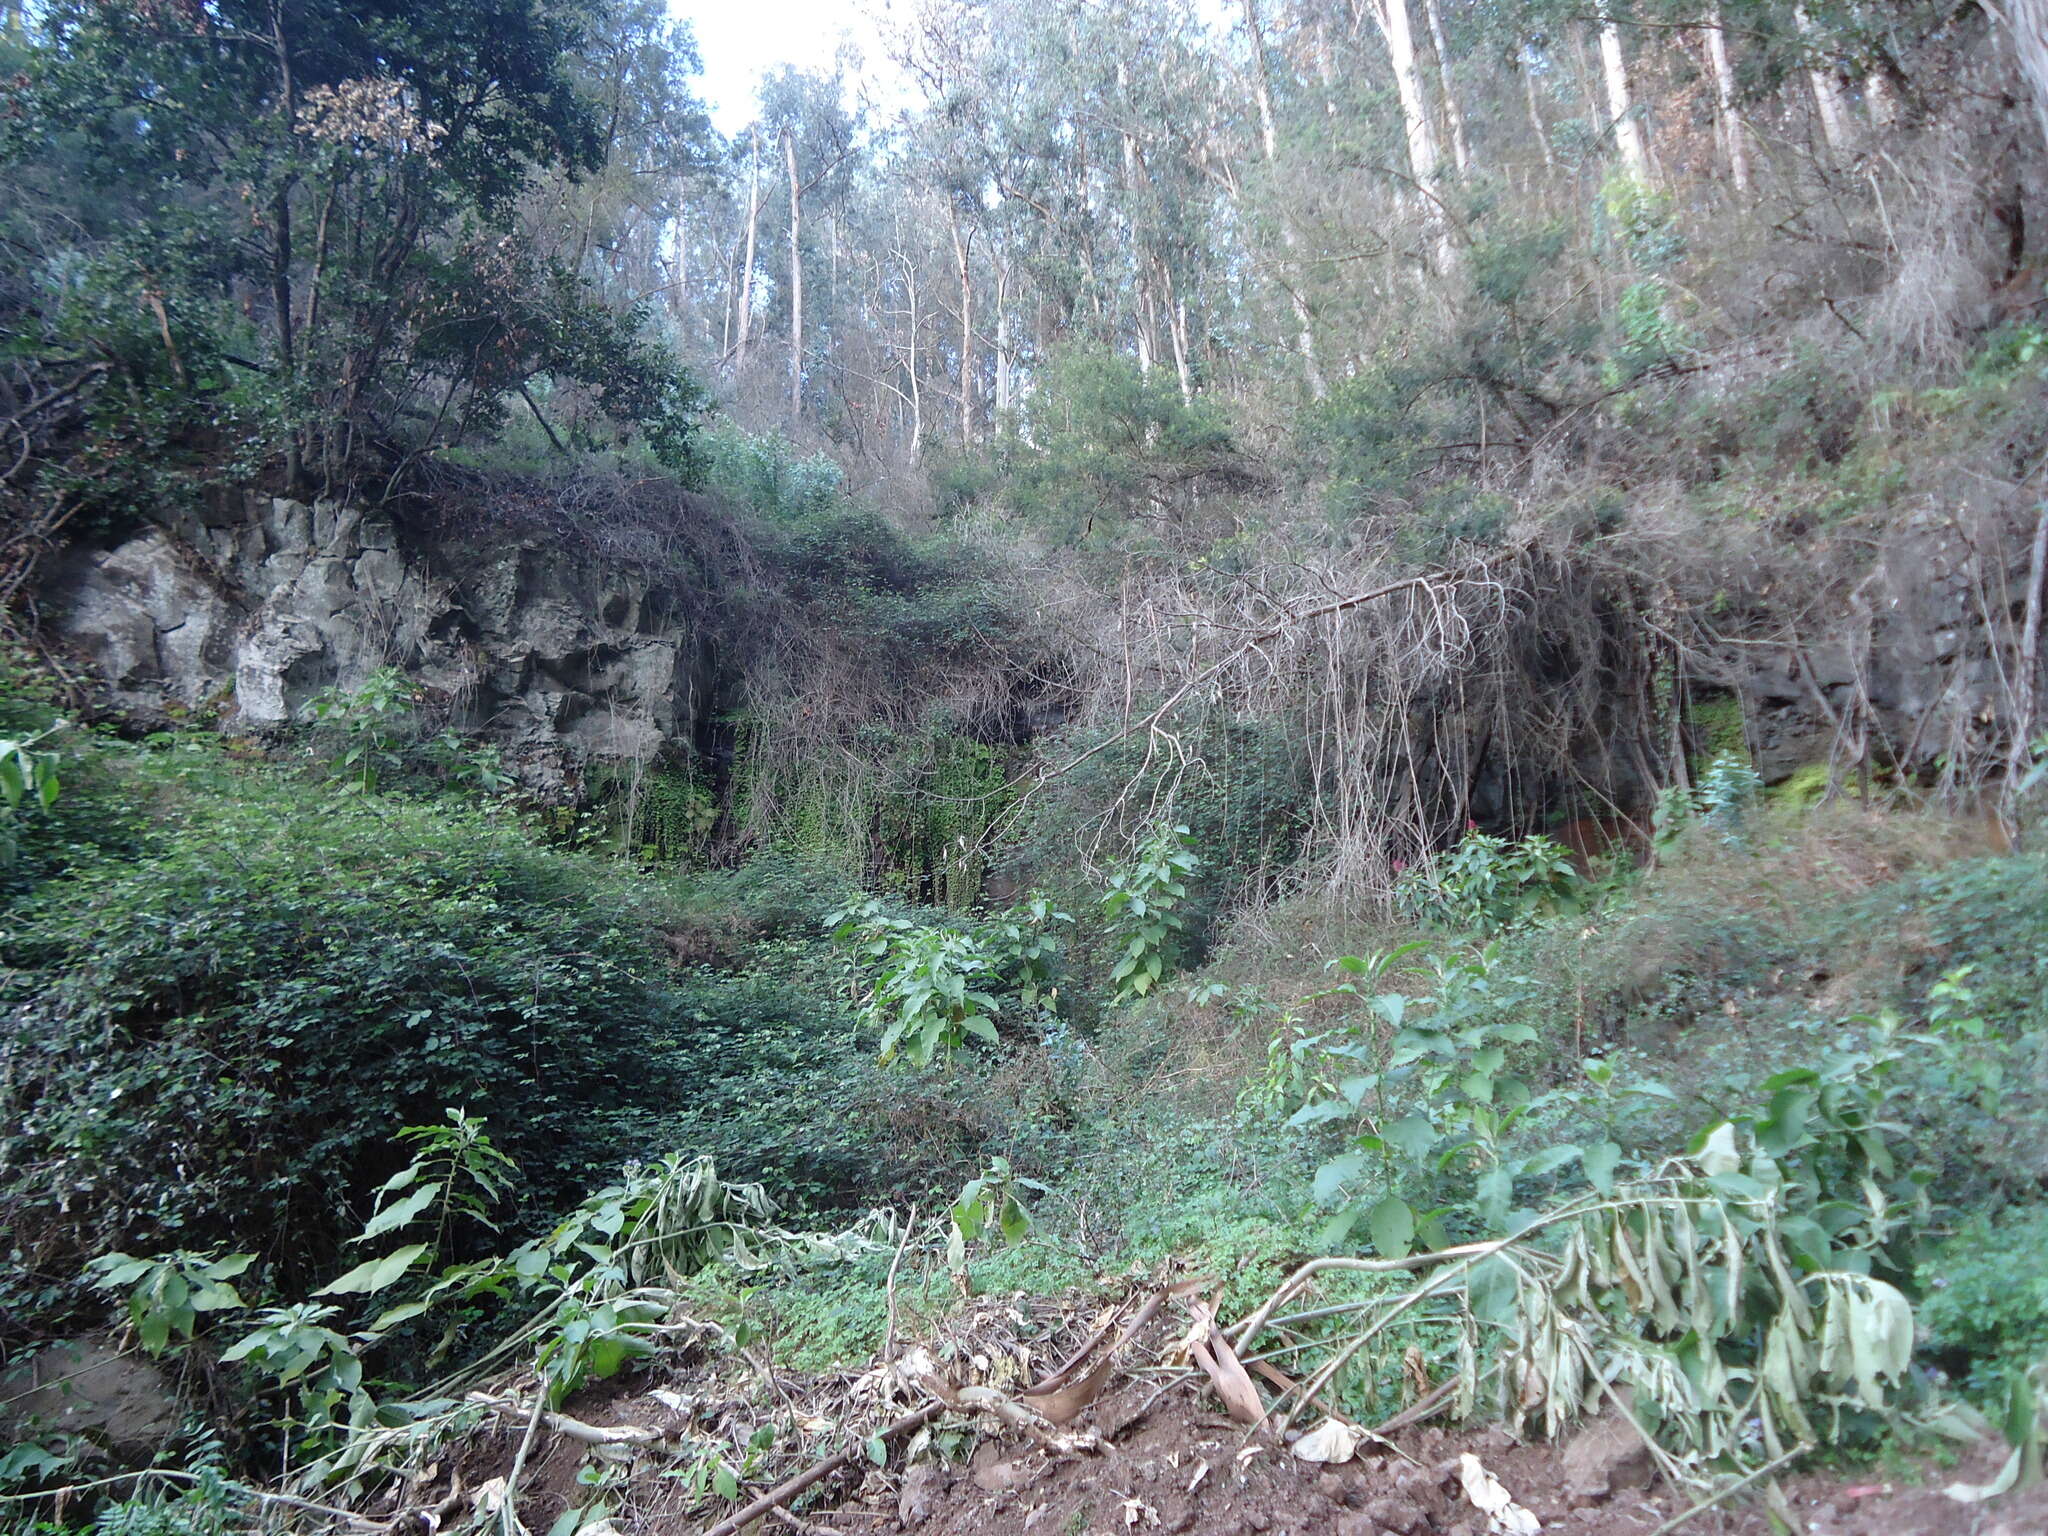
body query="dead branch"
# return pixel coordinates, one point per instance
(788, 1489)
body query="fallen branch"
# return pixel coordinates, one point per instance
(919, 1369)
(1730, 1491)
(239, 1490)
(784, 1491)
(574, 1429)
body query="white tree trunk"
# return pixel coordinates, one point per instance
(1536, 116)
(910, 359)
(1461, 151)
(747, 270)
(2027, 23)
(1733, 134)
(1177, 332)
(1425, 158)
(796, 280)
(1002, 343)
(1311, 365)
(1628, 133)
(1423, 154)
(961, 248)
(1827, 93)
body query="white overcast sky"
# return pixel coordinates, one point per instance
(741, 40)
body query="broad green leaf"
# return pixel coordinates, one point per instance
(1600, 1161)
(1549, 1160)
(1737, 1186)
(373, 1275)
(1338, 1227)
(1321, 1110)
(119, 1269)
(1335, 1174)
(968, 1216)
(1392, 1224)
(1014, 1221)
(1413, 1135)
(399, 1212)
(1490, 1290)
(1496, 1192)
(403, 1312)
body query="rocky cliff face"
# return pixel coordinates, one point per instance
(1915, 660)
(240, 613)
(246, 610)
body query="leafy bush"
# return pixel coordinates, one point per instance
(932, 986)
(1142, 910)
(1244, 802)
(1104, 441)
(1488, 883)
(936, 984)
(1985, 1309)
(215, 1042)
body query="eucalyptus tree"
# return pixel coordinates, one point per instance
(313, 212)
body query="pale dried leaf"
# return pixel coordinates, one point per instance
(1329, 1442)
(1504, 1516)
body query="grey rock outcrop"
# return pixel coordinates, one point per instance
(90, 1390)
(245, 612)
(1916, 660)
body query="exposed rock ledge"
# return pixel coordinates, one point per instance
(250, 608)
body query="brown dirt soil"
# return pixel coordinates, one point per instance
(1170, 1462)
(1181, 1468)
(1185, 1470)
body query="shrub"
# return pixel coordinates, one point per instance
(1985, 1309)
(1487, 883)
(215, 1042)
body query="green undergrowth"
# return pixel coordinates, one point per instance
(1821, 1027)
(229, 980)
(1147, 1199)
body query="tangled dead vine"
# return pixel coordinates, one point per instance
(1492, 690)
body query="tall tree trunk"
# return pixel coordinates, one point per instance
(1399, 32)
(281, 249)
(1424, 156)
(1002, 342)
(732, 286)
(679, 289)
(1827, 91)
(1536, 116)
(910, 358)
(1326, 65)
(962, 248)
(1461, 151)
(2027, 23)
(1177, 333)
(1311, 366)
(1621, 107)
(1733, 134)
(796, 279)
(2028, 684)
(747, 267)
